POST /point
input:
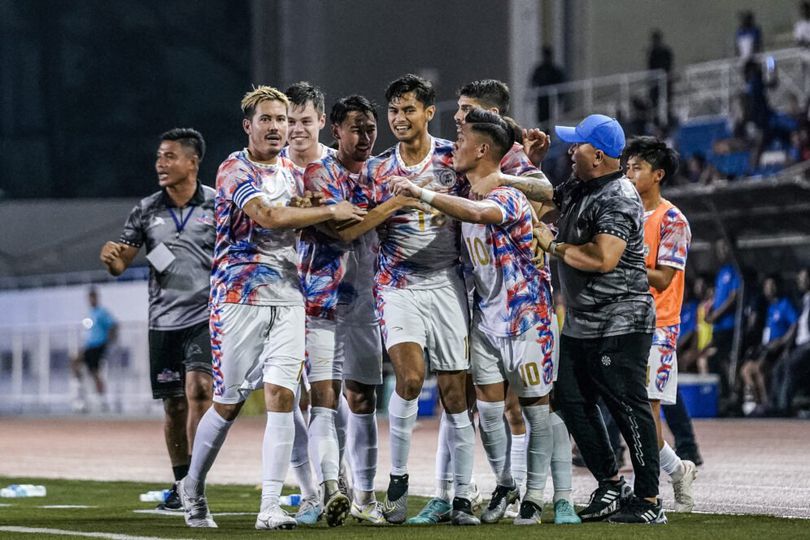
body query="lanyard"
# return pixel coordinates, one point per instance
(180, 225)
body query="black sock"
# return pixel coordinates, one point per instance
(180, 471)
(397, 487)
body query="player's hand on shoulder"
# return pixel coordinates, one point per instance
(344, 210)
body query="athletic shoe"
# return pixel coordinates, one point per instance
(344, 485)
(336, 509)
(476, 499)
(275, 518)
(309, 513)
(684, 502)
(606, 500)
(564, 513)
(371, 512)
(513, 510)
(435, 511)
(640, 511)
(502, 497)
(195, 509)
(395, 507)
(530, 513)
(172, 502)
(462, 513)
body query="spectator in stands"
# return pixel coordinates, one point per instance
(722, 314)
(777, 335)
(801, 30)
(101, 330)
(546, 74)
(748, 40)
(794, 368)
(758, 117)
(700, 171)
(659, 56)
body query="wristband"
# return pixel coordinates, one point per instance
(552, 247)
(427, 196)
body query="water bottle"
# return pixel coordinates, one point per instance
(23, 490)
(293, 499)
(159, 496)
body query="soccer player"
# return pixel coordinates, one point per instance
(101, 331)
(650, 163)
(256, 307)
(176, 227)
(343, 332)
(511, 337)
(421, 296)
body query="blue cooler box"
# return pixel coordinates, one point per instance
(700, 393)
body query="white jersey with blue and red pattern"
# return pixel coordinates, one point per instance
(333, 272)
(254, 264)
(417, 249)
(511, 294)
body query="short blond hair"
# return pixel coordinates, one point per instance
(259, 94)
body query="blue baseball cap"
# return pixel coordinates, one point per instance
(598, 130)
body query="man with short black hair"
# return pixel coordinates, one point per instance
(176, 227)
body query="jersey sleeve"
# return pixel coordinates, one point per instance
(619, 217)
(675, 240)
(517, 163)
(237, 183)
(133, 233)
(318, 180)
(508, 202)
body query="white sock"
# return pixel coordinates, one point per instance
(342, 424)
(517, 457)
(541, 444)
(462, 442)
(211, 433)
(301, 466)
(444, 472)
(493, 435)
(323, 443)
(670, 462)
(561, 459)
(362, 431)
(401, 419)
(279, 433)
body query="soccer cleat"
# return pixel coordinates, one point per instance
(684, 502)
(344, 485)
(564, 513)
(435, 511)
(172, 502)
(462, 513)
(640, 511)
(606, 500)
(512, 510)
(275, 518)
(502, 497)
(336, 509)
(476, 499)
(530, 513)
(309, 513)
(395, 507)
(195, 509)
(371, 512)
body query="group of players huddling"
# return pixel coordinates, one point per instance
(323, 256)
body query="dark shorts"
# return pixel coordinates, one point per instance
(174, 352)
(92, 357)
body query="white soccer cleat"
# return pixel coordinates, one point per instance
(195, 508)
(371, 512)
(684, 502)
(274, 518)
(476, 498)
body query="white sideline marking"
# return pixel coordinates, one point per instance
(60, 506)
(175, 513)
(64, 532)
(5, 504)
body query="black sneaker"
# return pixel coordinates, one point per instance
(606, 500)
(640, 511)
(172, 501)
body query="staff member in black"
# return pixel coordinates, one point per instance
(609, 322)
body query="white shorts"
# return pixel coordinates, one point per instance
(662, 365)
(342, 350)
(252, 345)
(526, 361)
(436, 319)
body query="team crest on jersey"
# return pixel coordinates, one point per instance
(446, 177)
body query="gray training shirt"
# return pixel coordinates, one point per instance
(617, 302)
(178, 296)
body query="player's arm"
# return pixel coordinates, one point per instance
(536, 186)
(349, 231)
(661, 276)
(484, 212)
(117, 256)
(286, 217)
(600, 255)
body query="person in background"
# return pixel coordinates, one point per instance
(801, 30)
(546, 74)
(659, 56)
(722, 314)
(794, 368)
(101, 330)
(748, 39)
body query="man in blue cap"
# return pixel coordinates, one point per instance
(609, 322)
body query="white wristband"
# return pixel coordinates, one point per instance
(427, 195)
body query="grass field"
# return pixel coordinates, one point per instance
(113, 505)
